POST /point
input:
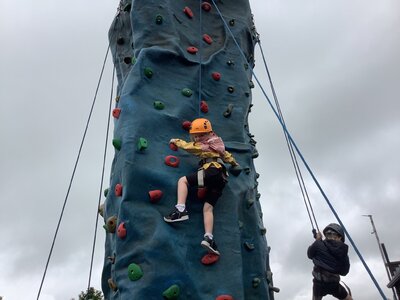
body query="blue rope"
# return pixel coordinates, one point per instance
(303, 160)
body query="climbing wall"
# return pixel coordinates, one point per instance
(176, 61)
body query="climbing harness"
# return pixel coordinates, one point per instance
(302, 157)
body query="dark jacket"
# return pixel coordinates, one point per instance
(330, 255)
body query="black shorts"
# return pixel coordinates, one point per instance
(214, 182)
(321, 289)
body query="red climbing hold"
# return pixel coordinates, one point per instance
(186, 125)
(121, 231)
(188, 12)
(207, 39)
(209, 259)
(192, 50)
(206, 6)
(116, 112)
(216, 76)
(173, 147)
(155, 195)
(172, 161)
(204, 106)
(224, 297)
(118, 190)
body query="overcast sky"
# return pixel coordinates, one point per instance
(335, 66)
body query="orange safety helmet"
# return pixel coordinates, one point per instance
(200, 125)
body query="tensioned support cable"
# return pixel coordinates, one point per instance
(303, 159)
(102, 179)
(200, 56)
(293, 156)
(73, 175)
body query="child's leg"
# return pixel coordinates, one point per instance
(208, 219)
(180, 213)
(182, 190)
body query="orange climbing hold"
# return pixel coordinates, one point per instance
(204, 106)
(172, 161)
(209, 259)
(118, 190)
(224, 297)
(188, 12)
(207, 39)
(192, 50)
(121, 231)
(116, 112)
(155, 195)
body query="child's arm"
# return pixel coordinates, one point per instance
(189, 147)
(228, 158)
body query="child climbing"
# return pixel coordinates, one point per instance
(211, 176)
(330, 260)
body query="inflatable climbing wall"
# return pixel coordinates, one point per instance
(176, 61)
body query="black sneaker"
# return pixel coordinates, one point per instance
(210, 245)
(177, 216)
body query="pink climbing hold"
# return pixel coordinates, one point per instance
(224, 297)
(216, 76)
(116, 112)
(172, 161)
(121, 231)
(204, 106)
(207, 39)
(206, 6)
(155, 195)
(173, 147)
(118, 190)
(209, 259)
(186, 125)
(192, 50)
(188, 12)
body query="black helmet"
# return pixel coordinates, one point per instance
(336, 228)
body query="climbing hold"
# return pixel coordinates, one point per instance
(206, 6)
(118, 190)
(172, 292)
(117, 99)
(258, 196)
(192, 50)
(128, 7)
(232, 22)
(142, 144)
(148, 72)
(250, 202)
(207, 39)
(216, 76)
(120, 41)
(231, 89)
(112, 285)
(100, 210)
(187, 92)
(251, 84)
(121, 231)
(173, 147)
(247, 94)
(256, 282)
(117, 144)
(247, 170)
(224, 297)
(263, 230)
(111, 259)
(186, 125)
(105, 227)
(249, 246)
(172, 161)
(188, 12)
(209, 259)
(228, 111)
(158, 105)
(240, 224)
(230, 63)
(116, 112)
(134, 272)
(246, 66)
(106, 192)
(159, 19)
(128, 60)
(255, 153)
(204, 106)
(155, 195)
(112, 224)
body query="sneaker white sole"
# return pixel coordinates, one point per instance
(207, 246)
(184, 218)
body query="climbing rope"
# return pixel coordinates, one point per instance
(200, 57)
(73, 175)
(302, 158)
(102, 179)
(300, 180)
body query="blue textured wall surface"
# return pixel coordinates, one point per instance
(170, 254)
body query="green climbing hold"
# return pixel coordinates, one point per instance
(158, 105)
(117, 144)
(148, 72)
(106, 192)
(142, 144)
(134, 272)
(159, 19)
(172, 292)
(187, 92)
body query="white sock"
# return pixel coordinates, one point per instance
(209, 235)
(180, 207)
